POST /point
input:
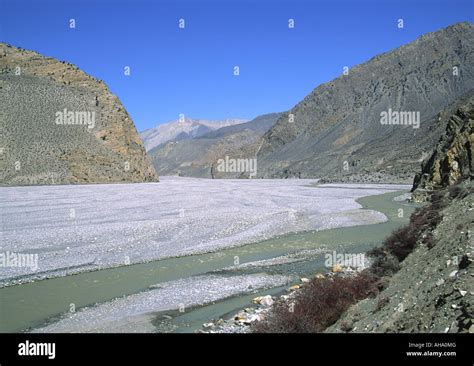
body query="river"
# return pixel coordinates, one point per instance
(196, 249)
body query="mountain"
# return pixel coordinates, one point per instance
(344, 130)
(259, 124)
(182, 129)
(62, 126)
(194, 157)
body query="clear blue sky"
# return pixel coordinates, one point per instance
(190, 70)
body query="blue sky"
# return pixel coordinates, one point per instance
(190, 70)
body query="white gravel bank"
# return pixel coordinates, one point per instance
(85, 227)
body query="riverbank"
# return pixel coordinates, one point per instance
(260, 308)
(419, 280)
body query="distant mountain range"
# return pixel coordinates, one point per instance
(195, 156)
(182, 129)
(345, 129)
(376, 123)
(61, 126)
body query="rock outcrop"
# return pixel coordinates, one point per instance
(62, 126)
(452, 160)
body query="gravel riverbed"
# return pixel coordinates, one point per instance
(74, 229)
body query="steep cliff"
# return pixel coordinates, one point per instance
(452, 159)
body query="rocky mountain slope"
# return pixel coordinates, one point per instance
(60, 126)
(195, 157)
(182, 129)
(337, 131)
(434, 289)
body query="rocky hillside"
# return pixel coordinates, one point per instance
(433, 291)
(195, 157)
(183, 129)
(60, 126)
(418, 280)
(345, 129)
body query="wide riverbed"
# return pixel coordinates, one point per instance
(182, 235)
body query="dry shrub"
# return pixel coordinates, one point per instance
(319, 304)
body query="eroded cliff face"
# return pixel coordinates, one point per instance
(96, 142)
(452, 159)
